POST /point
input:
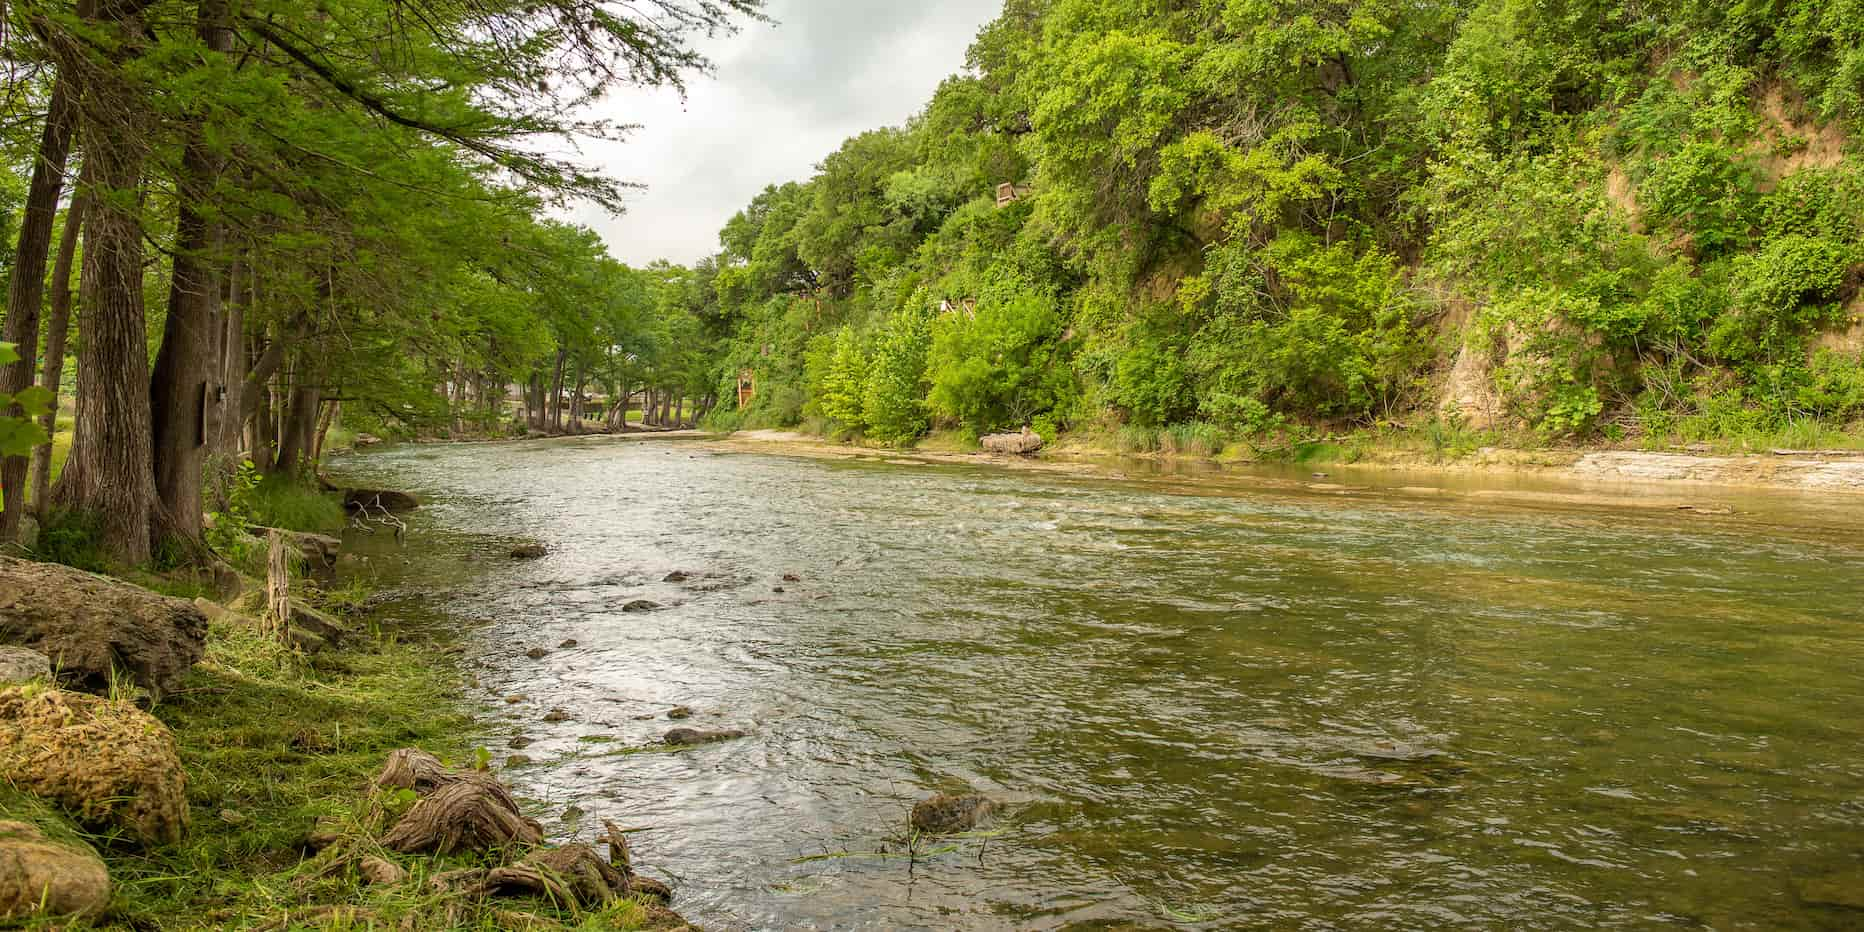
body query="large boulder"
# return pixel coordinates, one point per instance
(112, 766)
(97, 629)
(40, 877)
(1018, 444)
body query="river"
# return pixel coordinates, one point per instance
(1216, 703)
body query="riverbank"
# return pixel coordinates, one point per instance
(1629, 477)
(280, 748)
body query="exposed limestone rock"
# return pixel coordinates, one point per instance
(108, 763)
(94, 628)
(45, 878)
(21, 665)
(1022, 443)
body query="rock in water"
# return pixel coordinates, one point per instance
(679, 712)
(641, 605)
(945, 814)
(94, 628)
(41, 877)
(529, 552)
(108, 763)
(686, 737)
(537, 653)
(1018, 444)
(19, 665)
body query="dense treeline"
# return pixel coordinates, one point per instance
(255, 214)
(1248, 218)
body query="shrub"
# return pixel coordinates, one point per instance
(1001, 369)
(893, 398)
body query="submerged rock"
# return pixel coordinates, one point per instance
(679, 712)
(641, 605)
(519, 743)
(946, 814)
(95, 629)
(537, 653)
(677, 576)
(42, 877)
(529, 552)
(108, 763)
(557, 715)
(569, 643)
(686, 737)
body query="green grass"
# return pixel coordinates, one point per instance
(282, 502)
(276, 747)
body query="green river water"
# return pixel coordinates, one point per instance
(1215, 702)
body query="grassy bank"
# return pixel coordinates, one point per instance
(277, 748)
(280, 747)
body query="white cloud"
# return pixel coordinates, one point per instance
(783, 97)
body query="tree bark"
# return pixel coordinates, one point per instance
(300, 428)
(328, 417)
(186, 404)
(233, 361)
(58, 330)
(27, 291)
(556, 394)
(110, 479)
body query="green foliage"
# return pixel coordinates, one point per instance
(229, 535)
(72, 540)
(1281, 218)
(893, 401)
(1002, 368)
(283, 502)
(19, 434)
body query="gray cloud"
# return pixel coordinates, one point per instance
(782, 98)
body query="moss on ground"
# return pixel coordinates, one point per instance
(277, 748)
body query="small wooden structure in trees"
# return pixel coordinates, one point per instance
(1010, 192)
(747, 387)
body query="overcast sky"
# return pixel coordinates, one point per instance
(783, 97)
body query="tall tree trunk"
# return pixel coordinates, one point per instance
(300, 427)
(576, 401)
(679, 412)
(185, 400)
(262, 443)
(233, 362)
(324, 421)
(27, 291)
(110, 478)
(58, 329)
(556, 393)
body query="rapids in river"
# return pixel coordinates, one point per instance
(1232, 701)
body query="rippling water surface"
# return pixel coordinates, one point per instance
(1206, 705)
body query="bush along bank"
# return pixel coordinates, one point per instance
(274, 784)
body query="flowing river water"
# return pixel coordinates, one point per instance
(1230, 702)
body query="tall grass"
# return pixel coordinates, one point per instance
(282, 502)
(1196, 438)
